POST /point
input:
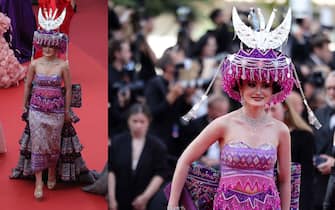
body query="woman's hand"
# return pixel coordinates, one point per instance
(325, 167)
(140, 202)
(112, 204)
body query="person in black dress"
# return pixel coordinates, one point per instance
(302, 148)
(137, 163)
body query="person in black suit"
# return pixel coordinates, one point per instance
(224, 32)
(320, 58)
(137, 163)
(324, 142)
(168, 101)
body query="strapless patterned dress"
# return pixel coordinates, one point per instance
(46, 119)
(247, 178)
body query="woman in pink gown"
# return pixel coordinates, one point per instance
(11, 72)
(251, 141)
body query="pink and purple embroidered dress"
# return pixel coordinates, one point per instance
(247, 178)
(46, 119)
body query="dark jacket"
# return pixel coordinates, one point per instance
(129, 183)
(323, 145)
(166, 117)
(302, 150)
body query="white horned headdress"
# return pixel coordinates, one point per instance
(47, 34)
(261, 37)
(260, 61)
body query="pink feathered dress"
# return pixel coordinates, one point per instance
(11, 72)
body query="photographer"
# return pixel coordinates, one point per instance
(168, 101)
(123, 87)
(324, 160)
(223, 32)
(143, 53)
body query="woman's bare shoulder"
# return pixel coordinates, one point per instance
(227, 118)
(64, 65)
(281, 127)
(36, 61)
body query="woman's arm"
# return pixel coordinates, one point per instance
(68, 90)
(141, 201)
(214, 131)
(284, 166)
(111, 191)
(28, 85)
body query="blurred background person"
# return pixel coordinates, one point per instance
(168, 100)
(320, 56)
(302, 146)
(324, 143)
(142, 51)
(223, 31)
(137, 163)
(217, 106)
(123, 84)
(11, 71)
(23, 25)
(300, 45)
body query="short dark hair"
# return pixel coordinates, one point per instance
(114, 46)
(318, 39)
(166, 59)
(214, 14)
(139, 108)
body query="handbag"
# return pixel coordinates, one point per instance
(76, 96)
(202, 182)
(76, 100)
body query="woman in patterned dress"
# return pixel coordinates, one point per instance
(48, 107)
(47, 112)
(251, 141)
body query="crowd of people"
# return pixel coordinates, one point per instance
(169, 86)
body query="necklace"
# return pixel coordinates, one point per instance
(253, 123)
(52, 62)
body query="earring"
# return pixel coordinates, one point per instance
(242, 101)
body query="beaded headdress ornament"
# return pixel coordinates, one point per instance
(47, 34)
(260, 61)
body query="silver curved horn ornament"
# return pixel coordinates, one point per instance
(48, 22)
(263, 39)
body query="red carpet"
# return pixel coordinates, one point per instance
(88, 63)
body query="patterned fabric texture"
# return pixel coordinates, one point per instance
(70, 165)
(199, 181)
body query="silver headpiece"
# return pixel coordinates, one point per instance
(48, 22)
(47, 34)
(261, 37)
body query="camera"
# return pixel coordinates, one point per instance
(133, 87)
(195, 83)
(318, 160)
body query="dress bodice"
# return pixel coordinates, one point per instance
(47, 80)
(247, 178)
(237, 157)
(47, 94)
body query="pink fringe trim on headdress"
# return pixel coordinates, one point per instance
(268, 66)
